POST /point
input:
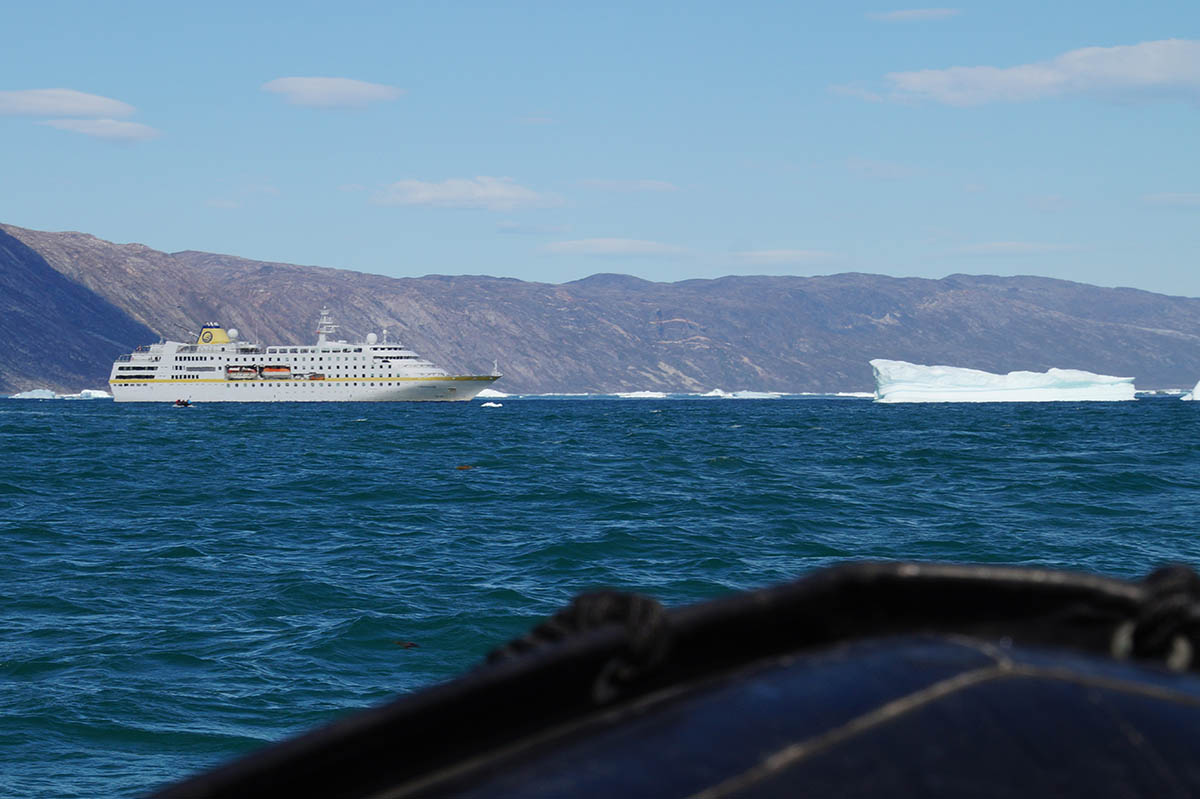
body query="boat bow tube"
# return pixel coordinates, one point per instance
(867, 679)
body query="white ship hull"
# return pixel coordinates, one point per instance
(219, 368)
(444, 389)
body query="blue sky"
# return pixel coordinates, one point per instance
(550, 141)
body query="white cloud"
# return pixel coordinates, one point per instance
(786, 256)
(1049, 203)
(915, 14)
(631, 185)
(613, 247)
(111, 129)
(1172, 200)
(1013, 248)
(880, 170)
(492, 194)
(1170, 67)
(850, 90)
(61, 103)
(331, 92)
(508, 226)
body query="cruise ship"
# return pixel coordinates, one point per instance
(220, 368)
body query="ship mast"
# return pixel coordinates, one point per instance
(325, 326)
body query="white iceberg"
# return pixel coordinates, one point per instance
(491, 393)
(1194, 394)
(641, 395)
(899, 381)
(87, 394)
(491, 405)
(45, 393)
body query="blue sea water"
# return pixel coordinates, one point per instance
(180, 586)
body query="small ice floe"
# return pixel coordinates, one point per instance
(45, 393)
(1194, 394)
(491, 405)
(87, 394)
(641, 395)
(721, 394)
(899, 381)
(755, 395)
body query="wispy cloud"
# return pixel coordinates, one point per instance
(521, 228)
(859, 92)
(488, 193)
(613, 247)
(915, 14)
(630, 185)
(786, 256)
(880, 170)
(331, 92)
(1014, 248)
(1165, 68)
(1049, 203)
(1172, 200)
(110, 129)
(61, 103)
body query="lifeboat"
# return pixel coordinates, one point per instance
(240, 372)
(316, 376)
(277, 372)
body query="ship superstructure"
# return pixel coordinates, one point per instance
(220, 368)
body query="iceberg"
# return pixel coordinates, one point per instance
(491, 393)
(87, 393)
(45, 393)
(899, 381)
(1194, 394)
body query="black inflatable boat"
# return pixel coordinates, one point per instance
(870, 679)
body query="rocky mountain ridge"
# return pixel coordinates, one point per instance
(615, 332)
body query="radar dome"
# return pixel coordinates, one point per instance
(232, 333)
(372, 338)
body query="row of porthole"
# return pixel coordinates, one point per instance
(277, 384)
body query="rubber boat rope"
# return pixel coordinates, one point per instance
(1165, 627)
(646, 641)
